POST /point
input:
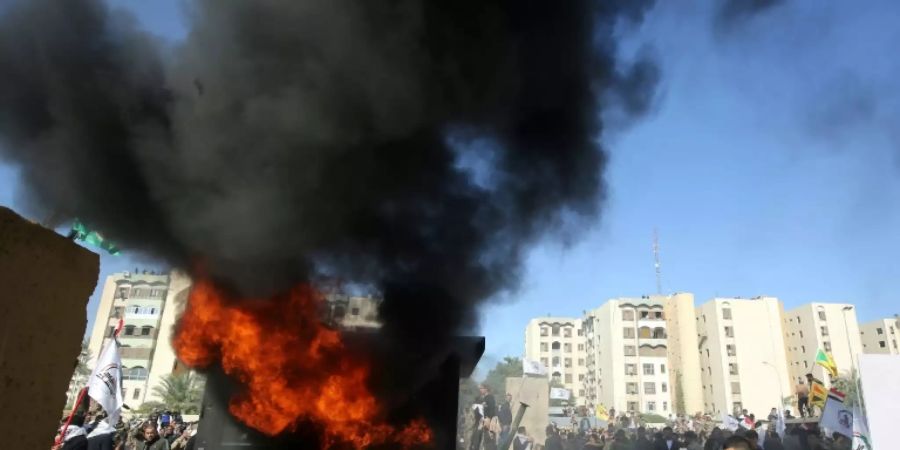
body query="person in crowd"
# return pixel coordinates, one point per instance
(75, 437)
(787, 414)
(772, 440)
(773, 415)
(553, 441)
(152, 439)
(667, 440)
(753, 437)
(839, 442)
(102, 437)
(504, 415)
(165, 419)
(802, 398)
(736, 443)
(522, 441)
(692, 441)
(593, 443)
(641, 442)
(620, 441)
(715, 441)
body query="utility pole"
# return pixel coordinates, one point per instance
(656, 261)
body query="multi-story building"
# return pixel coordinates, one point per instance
(627, 355)
(742, 354)
(148, 305)
(558, 343)
(352, 312)
(880, 336)
(831, 327)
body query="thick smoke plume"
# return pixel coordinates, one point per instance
(418, 147)
(731, 12)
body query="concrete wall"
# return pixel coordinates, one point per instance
(683, 355)
(46, 281)
(535, 392)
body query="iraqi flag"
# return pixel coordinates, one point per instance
(105, 386)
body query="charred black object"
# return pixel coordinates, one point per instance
(427, 387)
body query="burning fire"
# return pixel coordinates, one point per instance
(292, 368)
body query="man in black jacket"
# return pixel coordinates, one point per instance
(668, 440)
(504, 415)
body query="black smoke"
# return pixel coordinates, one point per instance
(418, 147)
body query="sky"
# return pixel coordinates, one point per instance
(770, 165)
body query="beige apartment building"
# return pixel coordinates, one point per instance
(743, 356)
(558, 343)
(148, 304)
(628, 357)
(880, 336)
(829, 326)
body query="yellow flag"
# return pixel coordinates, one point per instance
(601, 413)
(817, 393)
(825, 360)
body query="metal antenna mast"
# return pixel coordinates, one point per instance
(656, 261)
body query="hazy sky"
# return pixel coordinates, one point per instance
(771, 166)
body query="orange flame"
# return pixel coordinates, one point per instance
(292, 367)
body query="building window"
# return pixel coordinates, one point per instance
(580, 347)
(651, 406)
(628, 333)
(627, 314)
(827, 346)
(137, 393)
(555, 345)
(650, 388)
(824, 331)
(645, 314)
(801, 334)
(567, 348)
(659, 333)
(556, 361)
(798, 319)
(802, 348)
(732, 369)
(729, 332)
(648, 369)
(662, 368)
(544, 361)
(805, 365)
(881, 344)
(737, 406)
(145, 330)
(544, 346)
(632, 406)
(567, 332)
(631, 388)
(568, 362)
(665, 406)
(629, 350)
(821, 314)
(129, 330)
(879, 331)
(665, 387)
(658, 315)
(554, 329)
(630, 369)
(581, 393)
(580, 362)
(730, 349)
(735, 387)
(726, 313)
(580, 333)
(569, 378)
(580, 377)
(544, 331)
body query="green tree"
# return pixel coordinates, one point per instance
(496, 378)
(679, 393)
(80, 374)
(181, 392)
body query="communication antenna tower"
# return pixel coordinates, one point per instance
(656, 261)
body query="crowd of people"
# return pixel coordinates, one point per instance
(91, 430)
(492, 422)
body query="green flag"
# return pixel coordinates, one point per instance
(825, 360)
(84, 234)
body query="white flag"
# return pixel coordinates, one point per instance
(780, 426)
(836, 416)
(559, 393)
(729, 422)
(861, 437)
(530, 367)
(105, 386)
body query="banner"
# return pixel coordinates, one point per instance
(729, 422)
(861, 439)
(836, 416)
(559, 394)
(105, 386)
(530, 367)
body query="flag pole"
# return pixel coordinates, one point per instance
(62, 434)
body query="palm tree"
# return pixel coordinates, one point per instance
(181, 392)
(849, 385)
